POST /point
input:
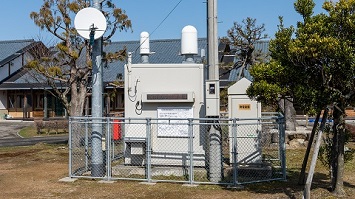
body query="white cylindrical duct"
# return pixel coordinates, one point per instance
(144, 47)
(189, 41)
(144, 43)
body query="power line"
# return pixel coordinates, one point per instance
(167, 16)
(161, 23)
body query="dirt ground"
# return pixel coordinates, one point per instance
(34, 172)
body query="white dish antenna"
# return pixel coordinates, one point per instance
(90, 21)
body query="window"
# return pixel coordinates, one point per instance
(39, 101)
(107, 102)
(15, 100)
(12, 101)
(29, 100)
(19, 101)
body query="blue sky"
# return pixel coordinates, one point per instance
(146, 15)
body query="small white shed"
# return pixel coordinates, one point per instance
(248, 130)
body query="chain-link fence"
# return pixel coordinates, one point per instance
(194, 151)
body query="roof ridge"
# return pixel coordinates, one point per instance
(154, 40)
(17, 41)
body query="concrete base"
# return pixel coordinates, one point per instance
(190, 185)
(68, 179)
(126, 171)
(148, 183)
(106, 181)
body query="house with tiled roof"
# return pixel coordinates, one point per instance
(23, 97)
(13, 56)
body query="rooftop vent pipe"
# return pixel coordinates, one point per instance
(144, 47)
(189, 43)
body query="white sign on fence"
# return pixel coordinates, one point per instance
(174, 128)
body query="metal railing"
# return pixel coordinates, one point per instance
(178, 150)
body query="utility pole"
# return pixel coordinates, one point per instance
(212, 94)
(97, 160)
(212, 35)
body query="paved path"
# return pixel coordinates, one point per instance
(10, 128)
(9, 135)
(34, 140)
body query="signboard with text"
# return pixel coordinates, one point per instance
(174, 128)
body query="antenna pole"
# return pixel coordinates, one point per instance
(98, 166)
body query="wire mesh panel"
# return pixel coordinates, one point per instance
(204, 150)
(129, 148)
(254, 157)
(272, 146)
(169, 154)
(211, 140)
(248, 155)
(79, 147)
(84, 134)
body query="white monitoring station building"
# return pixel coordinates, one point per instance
(164, 91)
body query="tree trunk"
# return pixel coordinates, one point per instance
(77, 102)
(286, 106)
(337, 159)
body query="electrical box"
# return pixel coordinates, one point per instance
(248, 131)
(212, 98)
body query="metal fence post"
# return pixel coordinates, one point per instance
(234, 152)
(108, 148)
(86, 145)
(148, 150)
(191, 151)
(112, 146)
(70, 147)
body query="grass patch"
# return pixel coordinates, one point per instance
(28, 132)
(40, 166)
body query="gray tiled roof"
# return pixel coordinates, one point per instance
(163, 51)
(9, 49)
(23, 79)
(234, 73)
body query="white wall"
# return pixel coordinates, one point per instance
(3, 100)
(143, 79)
(163, 78)
(247, 131)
